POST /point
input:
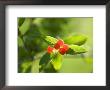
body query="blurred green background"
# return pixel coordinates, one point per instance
(31, 46)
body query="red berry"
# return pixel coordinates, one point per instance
(62, 51)
(58, 44)
(50, 49)
(65, 46)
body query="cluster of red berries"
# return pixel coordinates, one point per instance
(59, 46)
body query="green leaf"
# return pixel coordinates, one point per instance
(45, 59)
(35, 66)
(26, 66)
(76, 39)
(75, 49)
(25, 26)
(37, 21)
(57, 61)
(22, 53)
(51, 40)
(20, 21)
(20, 42)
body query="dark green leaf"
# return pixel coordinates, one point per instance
(57, 61)
(25, 26)
(22, 52)
(75, 49)
(76, 39)
(32, 39)
(20, 21)
(50, 40)
(45, 59)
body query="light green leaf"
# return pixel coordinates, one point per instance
(26, 66)
(57, 61)
(76, 39)
(25, 26)
(20, 42)
(51, 40)
(37, 21)
(45, 59)
(35, 66)
(75, 49)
